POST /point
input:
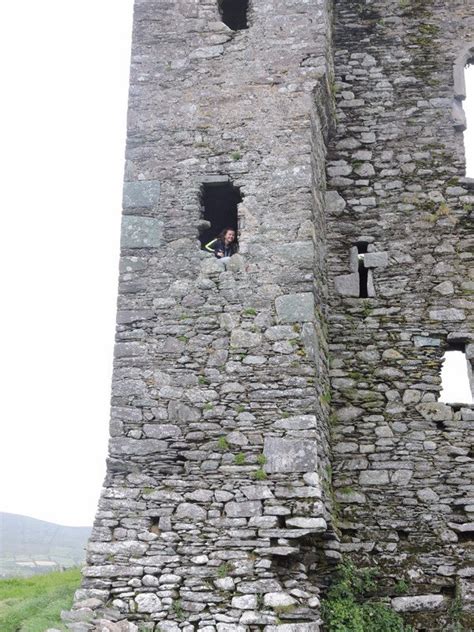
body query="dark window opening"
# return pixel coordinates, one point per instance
(155, 526)
(457, 383)
(468, 107)
(234, 13)
(466, 536)
(219, 208)
(363, 271)
(448, 591)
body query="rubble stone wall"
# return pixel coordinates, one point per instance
(403, 461)
(223, 509)
(215, 511)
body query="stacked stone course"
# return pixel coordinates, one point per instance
(221, 510)
(215, 513)
(403, 469)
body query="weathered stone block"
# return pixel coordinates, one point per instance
(289, 455)
(148, 603)
(245, 602)
(295, 308)
(449, 315)
(243, 509)
(373, 477)
(376, 259)
(417, 603)
(135, 447)
(347, 284)
(260, 586)
(141, 232)
(293, 627)
(278, 600)
(191, 511)
(299, 422)
(425, 341)
(245, 338)
(435, 411)
(141, 194)
(312, 524)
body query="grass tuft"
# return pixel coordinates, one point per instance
(34, 604)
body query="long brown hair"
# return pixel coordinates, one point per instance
(223, 232)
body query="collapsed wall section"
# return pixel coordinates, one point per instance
(403, 467)
(215, 513)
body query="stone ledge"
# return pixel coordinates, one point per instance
(418, 603)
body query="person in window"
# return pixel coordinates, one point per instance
(224, 245)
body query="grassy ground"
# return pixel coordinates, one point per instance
(35, 604)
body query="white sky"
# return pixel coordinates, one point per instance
(62, 125)
(458, 389)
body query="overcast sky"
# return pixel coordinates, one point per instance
(63, 126)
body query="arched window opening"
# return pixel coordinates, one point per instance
(234, 13)
(219, 201)
(469, 111)
(456, 376)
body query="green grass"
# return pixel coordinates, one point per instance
(35, 604)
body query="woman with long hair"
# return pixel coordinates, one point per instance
(224, 245)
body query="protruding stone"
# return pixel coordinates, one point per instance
(418, 603)
(278, 600)
(435, 411)
(148, 603)
(244, 602)
(191, 511)
(312, 524)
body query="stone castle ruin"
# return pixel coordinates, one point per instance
(278, 413)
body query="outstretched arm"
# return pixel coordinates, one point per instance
(210, 246)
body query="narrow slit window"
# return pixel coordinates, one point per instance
(363, 271)
(469, 110)
(456, 376)
(234, 13)
(219, 202)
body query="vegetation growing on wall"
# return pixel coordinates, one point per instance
(350, 607)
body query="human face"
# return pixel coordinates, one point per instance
(229, 237)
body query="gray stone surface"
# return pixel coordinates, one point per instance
(234, 382)
(141, 232)
(289, 455)
(141, 194)
(347, 284)
(417, 603)
(376, 259)
(295, 308)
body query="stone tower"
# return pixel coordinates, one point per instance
(278, 412)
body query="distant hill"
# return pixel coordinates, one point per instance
(29, 546)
